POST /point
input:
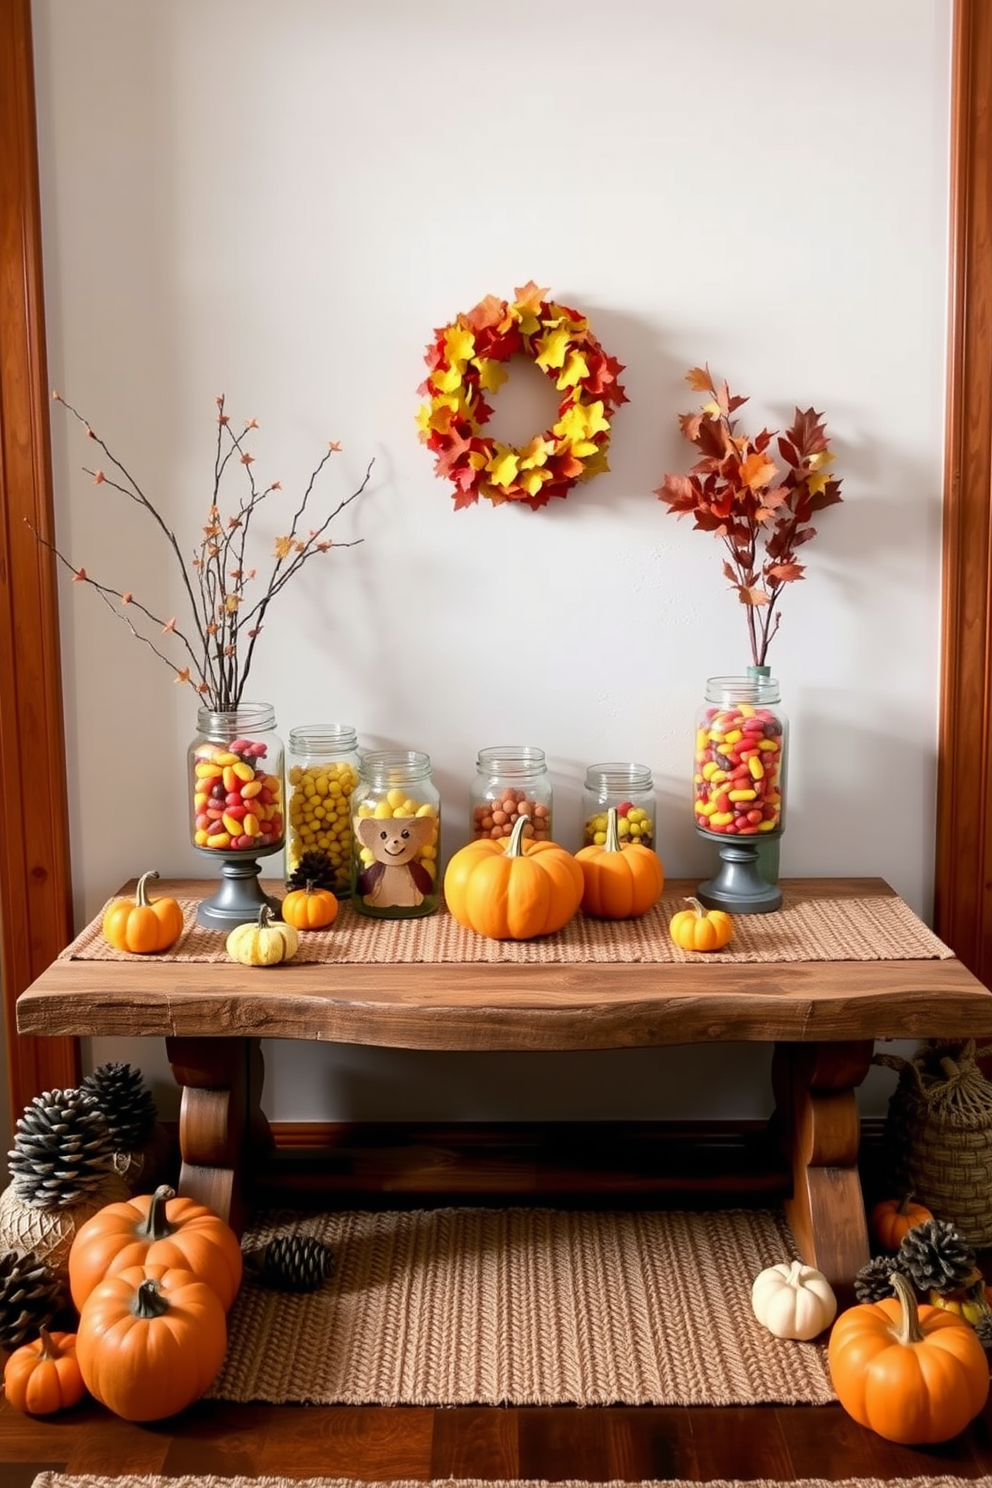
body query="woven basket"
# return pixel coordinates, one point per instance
(938, 1135)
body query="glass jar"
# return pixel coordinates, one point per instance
(630, 789)
(235, 771)
(511, 781)
(322, 767)
(740, 759)
(396, 821)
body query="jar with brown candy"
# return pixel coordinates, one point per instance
(511, 781)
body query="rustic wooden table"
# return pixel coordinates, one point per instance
(822, 1016)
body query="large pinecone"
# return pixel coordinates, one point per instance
(62, 1150)
(125, 1101)
(935, 1256)
(314, 868)
(294, 1263)
(30, 1298)
(874, 1280)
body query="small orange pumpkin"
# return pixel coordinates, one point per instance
(150, 1341)
(513, 888)
(892, 1219)
(622, 880)
(142, 925)
(699, 929)
(913, 1374)
(310, 908)
(159, 1229)
(43, 1377)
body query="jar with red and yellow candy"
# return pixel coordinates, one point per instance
(740, 759)
(236, 781)
(396, 836)
(511, 781)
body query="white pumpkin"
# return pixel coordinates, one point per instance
(793, 1301)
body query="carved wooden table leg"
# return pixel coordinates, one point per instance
(816, 1094)
(223, 1131)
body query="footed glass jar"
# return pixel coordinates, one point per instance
(322, 772)
(235, 780)
(511, 781)
(396, 825)
(739, 786)
(630, 789)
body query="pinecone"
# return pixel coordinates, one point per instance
(983, 1332)
(873, 1281)
(314, 868)
(125, 1101)
(935, 1256)
(30, 1298)
(293, 1263)
(62, 1150)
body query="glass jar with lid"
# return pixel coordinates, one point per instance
(628, 787)
(511, 781)
(322, 768)
(396, 826)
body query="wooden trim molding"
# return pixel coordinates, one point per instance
(35, 896)
(963, 865)
(35, 899)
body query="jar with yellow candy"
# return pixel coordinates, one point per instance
(396, 836)
(322, 772)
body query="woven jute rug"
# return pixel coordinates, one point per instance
(870, 927)
(522, 1306)
(61, 1480)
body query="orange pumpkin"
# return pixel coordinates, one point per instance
(621, 880)
(156, 1229)
(699, 929)
(892, 1220)
(43, 1377)
(310, 908)
(512, 888)
(913, 1374)
(143, 925)
(150, 1341)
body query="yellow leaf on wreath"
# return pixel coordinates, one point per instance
(492, 374)
(536, 452)
(596, 464)
(505, 466)
(576, 367)
(552, 348)
(459, 344)
(526, 308)
(446, 379)
(581, 422)
(531, 481)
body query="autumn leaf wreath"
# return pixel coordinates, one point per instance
(466, 361)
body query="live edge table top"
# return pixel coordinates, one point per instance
(559, 998)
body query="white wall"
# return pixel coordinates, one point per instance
(283, 202)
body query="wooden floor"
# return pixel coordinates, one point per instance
(371, 1443)
(593, 1443)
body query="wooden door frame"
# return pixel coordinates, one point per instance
(35, 895)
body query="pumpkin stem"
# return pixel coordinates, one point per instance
(700, 909)
(49, 1348)
(515, 842)
(149, 1301)
(264, 917)
(612, 843)
(906, 1329)
(905, 1202)
(155, 1225)
(140, 893)
(795, 1273)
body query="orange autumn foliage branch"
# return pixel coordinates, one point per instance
(227, 600)
(762, 513)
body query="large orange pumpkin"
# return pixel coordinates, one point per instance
(512, 888)
(621, 880)
(150, 1341)
(43, 1377)
(159, 1229)
(913, 1374)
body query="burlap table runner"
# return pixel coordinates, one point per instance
(873, 927)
